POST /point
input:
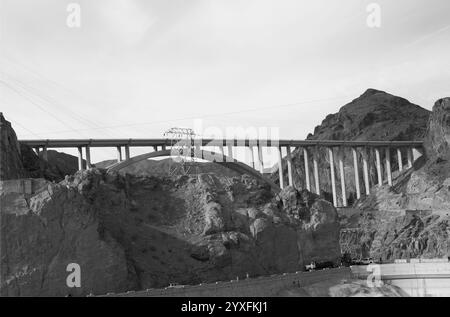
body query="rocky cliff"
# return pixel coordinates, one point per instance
(11, 166)
(411, 219)
(129, 232)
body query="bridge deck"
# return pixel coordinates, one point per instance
(63, 143)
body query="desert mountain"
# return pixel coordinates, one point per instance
(375, 115)
(410, 219)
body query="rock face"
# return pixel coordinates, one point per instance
(10, 163)
(376, 116)
(389, 235)
(438, 135)
(411, 219)
(57, 166)
(130, 232)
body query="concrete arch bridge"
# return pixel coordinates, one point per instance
(310, 149)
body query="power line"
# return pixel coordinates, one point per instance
(199, 117)
(33, 102)
(45, 97)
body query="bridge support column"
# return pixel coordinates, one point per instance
(366, 171)
(379, 171)
(119, 154)
(252, 155)
(289, 165)
(399, 159)
(306, 161)
(280, 167)
(45, 154)
(230, 151)
(80, 159)
(388, 166)
(316, 171)
(127, 152)
(88, 157)
(410, 157)
(342, 172)
(333, 178)
(260, 159)
(356, 167)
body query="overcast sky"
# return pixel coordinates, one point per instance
(137, 67)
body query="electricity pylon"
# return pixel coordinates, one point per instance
(182, 146)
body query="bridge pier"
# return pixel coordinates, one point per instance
(409, 154)
(80, 159)
(280, 167)
(252, 156)
(378, 162)
(316, 171)
(356, 168)
(127, 152)
(260, 159)
(230, 151)
(366, 171)
(333, 179)
(45, 154)
(388, 166)
(399, 159)
(119, 154)
(289, 165)
(342, 172)
(306, 161)
(88, 157)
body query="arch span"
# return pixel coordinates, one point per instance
(217, 158)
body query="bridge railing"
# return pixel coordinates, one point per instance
(309, 149)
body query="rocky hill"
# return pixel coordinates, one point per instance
(375, 115)
(411, 219)
(132, 233)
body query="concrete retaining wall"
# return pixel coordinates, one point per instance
(256, 287)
